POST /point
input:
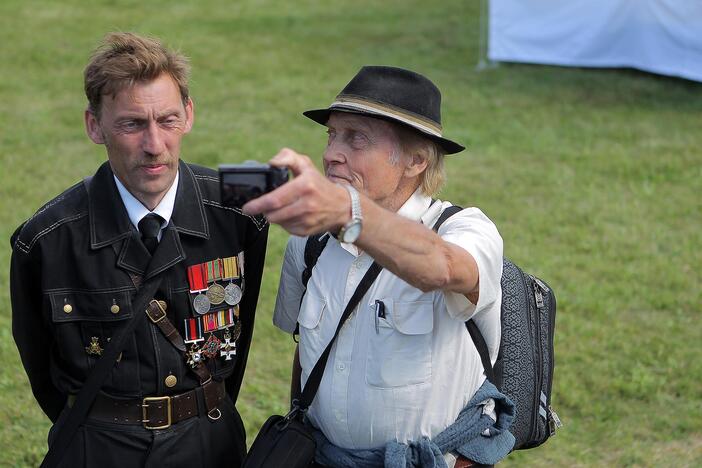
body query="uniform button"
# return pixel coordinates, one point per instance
(114, 309)
(68, 308)
(171, 380)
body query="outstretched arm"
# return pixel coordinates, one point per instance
(310, 203)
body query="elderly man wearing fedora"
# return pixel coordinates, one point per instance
(403, 384)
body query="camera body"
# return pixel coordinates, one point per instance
(239, 183)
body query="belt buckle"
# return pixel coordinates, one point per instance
(144, 409)
(159, 312)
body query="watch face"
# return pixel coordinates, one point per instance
(352, 232)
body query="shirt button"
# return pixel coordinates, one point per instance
(114, 309)
(68, 308)
(171, 380)
(341, 366)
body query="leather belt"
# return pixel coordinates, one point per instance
(159, 412)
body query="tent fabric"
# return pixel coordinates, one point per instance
(659, 36)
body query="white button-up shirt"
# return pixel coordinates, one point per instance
(136, 210)
(407, 374)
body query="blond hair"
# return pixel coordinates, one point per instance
(124, 59)
(413, 143)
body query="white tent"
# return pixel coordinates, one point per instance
(660, 36)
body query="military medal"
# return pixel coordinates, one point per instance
(211, 346)
(94, 347)
(213, 271)
(227, 348)
(232, 293)
(197, 277)
(193, 334)
(195, 357)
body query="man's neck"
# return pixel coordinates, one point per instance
(403, 192)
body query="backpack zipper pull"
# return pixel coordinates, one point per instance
(554, 421)
(538, 297)
(538, 288)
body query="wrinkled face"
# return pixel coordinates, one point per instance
(141, 129)
(359, 153)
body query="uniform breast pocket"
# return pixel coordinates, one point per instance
(311, 341)
(85, 322)
(400, 347)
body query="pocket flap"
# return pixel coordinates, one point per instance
(413, 318)
(311, 311)
(98, 306)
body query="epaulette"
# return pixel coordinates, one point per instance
(69, 206)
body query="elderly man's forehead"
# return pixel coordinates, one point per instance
(349, 119)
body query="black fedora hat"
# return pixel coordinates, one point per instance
(393, 94)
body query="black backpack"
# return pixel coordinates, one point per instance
(524, 367)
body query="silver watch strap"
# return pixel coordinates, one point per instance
(355, 202)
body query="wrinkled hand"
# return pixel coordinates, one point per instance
(307, 204)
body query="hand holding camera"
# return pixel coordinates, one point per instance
(308, 204)
(240, 183)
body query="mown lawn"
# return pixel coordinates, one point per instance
(592, 176)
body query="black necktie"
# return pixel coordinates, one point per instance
(149, 227)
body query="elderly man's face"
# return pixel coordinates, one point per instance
(364, 152)
(142, 128)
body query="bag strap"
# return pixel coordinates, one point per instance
(315, 378)
(92, 384)
(313, 249)
(473, 329)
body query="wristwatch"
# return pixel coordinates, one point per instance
(350, 231)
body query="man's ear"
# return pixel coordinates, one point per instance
(92, 128)
(189, 115)
(416, 164)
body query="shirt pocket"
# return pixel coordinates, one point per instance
(84, 323)
(400, 346)
(311, 341)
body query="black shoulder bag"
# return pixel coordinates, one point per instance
(285, 440)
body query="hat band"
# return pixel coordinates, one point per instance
(372, 107)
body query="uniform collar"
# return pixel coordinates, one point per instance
(136, 210)
(110, 223)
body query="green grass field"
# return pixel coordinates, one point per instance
(592, 176)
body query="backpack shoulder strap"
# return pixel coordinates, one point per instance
(473, 329)
(313, 249)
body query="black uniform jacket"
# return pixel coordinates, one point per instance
(79, 250)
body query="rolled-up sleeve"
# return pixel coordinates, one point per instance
(471, 230)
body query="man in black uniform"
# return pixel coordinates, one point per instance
(78, 262)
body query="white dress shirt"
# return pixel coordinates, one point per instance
(136, 210)
(406, 375)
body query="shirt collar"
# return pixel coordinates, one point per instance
(137, 211)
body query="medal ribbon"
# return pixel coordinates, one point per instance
(231, 268)
(210, 322)
(193, 330)
(213, 271)
(197, 277)
(196, 327)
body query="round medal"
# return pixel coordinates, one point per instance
(201, 304)
(216, 293)
(232, 294)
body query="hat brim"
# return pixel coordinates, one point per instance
(321, 116)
